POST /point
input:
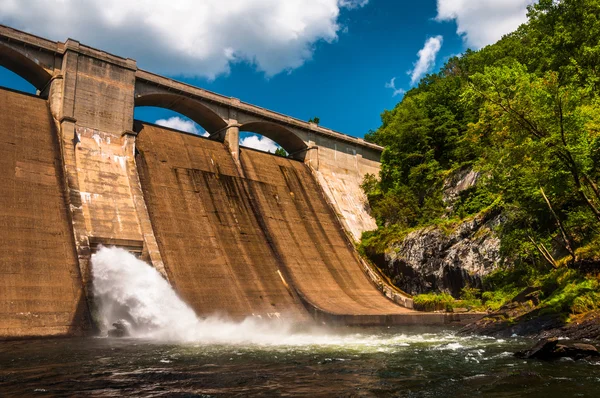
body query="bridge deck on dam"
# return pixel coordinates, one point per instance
(41, 292)
(260, 240)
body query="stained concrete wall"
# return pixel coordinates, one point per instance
(216, 254)
(254, 238)
(340, 169)
(323, 265)
(40, 284)
(93, 107)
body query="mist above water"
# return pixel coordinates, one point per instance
(131, 292)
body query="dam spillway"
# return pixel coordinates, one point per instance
(255, 239)
(215, 253)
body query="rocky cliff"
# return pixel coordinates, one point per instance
(442, 258)
(431, 259)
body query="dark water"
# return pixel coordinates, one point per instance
(350, 362)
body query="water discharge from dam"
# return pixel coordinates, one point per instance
(131, 292)
(173, 351)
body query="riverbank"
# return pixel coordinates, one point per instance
(515, 319)
(366, 362)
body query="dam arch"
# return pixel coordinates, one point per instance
(188, 107)
(25, 67)
(277, 133)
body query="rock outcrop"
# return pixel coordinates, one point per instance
(458, 182)
(431, 259)
(442, 259)
(550, 349)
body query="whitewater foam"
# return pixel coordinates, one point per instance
(129, 291)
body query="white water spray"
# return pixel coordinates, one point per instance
(127, 290)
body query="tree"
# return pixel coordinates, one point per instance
(525, 113)
(542, 134)
(281, 152)
(314, 120)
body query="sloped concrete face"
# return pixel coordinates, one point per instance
(255, 238)
(41, 290)
(205, 219)
(310, 242)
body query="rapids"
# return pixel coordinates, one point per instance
(172, 352)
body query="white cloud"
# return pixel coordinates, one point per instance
(353, 3)
(426, 59)
(181, 124)
(188, 37)
(392, 84)
(261, 143)
(483, 22)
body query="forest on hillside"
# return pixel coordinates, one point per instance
(525, 114)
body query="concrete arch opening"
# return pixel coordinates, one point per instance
(167, 118)
(190, 108)
(10, 80)
(279, 134)
(260, 143)
(24, 67)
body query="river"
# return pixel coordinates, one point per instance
(374, 362)
(173, 352)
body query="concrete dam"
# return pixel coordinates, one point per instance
(233, 230)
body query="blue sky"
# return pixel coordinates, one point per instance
(331, 58)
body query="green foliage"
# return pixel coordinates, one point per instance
(538, 142)
(376, 242)
(525, 113)
(586, 301)
(433, 302)
(494, 300)
(470, 293)
(474, 200)
(314, 120)
(445, 302)
(568, 286)
(423, 136)
(563, 290)
(281, 152)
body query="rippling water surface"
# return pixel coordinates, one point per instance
(406, 362)
(175, 353)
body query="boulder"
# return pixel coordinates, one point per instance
(549, 349)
